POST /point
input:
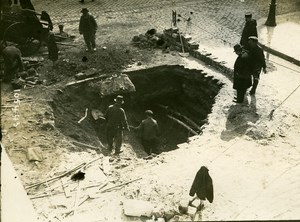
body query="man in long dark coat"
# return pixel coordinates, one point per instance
(88, 27)
(202, 187)
(242, 73)
(249, 30)
(258, 61)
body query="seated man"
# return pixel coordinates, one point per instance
(12, 62)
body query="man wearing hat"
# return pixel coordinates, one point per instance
(258, 62)
(149, 132)
(249, 30)
(242, 73)
(88, 27)
(116, 122)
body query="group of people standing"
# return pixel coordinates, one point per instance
(250, 61)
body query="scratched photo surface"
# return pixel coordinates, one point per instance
(150, 110)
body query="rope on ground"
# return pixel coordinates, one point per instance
(225, 150)
(267, 186)
(283, 66)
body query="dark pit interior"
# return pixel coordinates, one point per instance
(180, 98)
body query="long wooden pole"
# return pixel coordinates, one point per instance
(64, 174)
(122, 184)
(182, 124)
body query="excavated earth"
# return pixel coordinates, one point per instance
(253, 160)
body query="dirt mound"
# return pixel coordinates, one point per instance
(110, 59)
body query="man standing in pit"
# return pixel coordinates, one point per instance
(149, 131)
(88, 27)
(258, 62)
(116, 122)
(249, 30)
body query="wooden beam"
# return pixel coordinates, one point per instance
(182, 124)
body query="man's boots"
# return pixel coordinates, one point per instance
(254, 86)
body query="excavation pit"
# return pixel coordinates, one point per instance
(180, 98)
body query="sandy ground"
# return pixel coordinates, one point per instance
(253, 160)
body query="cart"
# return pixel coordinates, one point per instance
(25, 28)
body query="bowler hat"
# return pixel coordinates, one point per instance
(119, 99)
(254, 38)
(248, 15)
(149, 112)
(84, 10)
(237, 47)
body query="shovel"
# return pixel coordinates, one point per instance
(97, 114)
(183, 54)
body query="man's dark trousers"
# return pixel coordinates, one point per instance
(89, 39)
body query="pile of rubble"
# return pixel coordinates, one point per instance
(26, 79)
(151, 39)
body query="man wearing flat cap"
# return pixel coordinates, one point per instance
(116, 122)
(88, 27)
(149, 132)
(258, 62)
(249, 30)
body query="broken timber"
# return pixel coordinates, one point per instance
(82, 165)
(175, 113)
(182, 124)
(120, 185)
(86, 80)
(85, 115)
(87, 145)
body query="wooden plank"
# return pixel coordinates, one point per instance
(182, 124)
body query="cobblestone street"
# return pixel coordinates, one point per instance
(220, 19)
(214, 24)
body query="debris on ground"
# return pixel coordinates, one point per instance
(113, 85)
(34, 154)
(151, 40)
(78, 176)
(138, 208)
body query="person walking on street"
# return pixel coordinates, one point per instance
(203, 187)
(149, 132)
(242, 73)
(249, 30)
(258, 61)
(88, 27)
(116, 122)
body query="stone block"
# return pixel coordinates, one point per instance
(90, 72)
(193, 46)
(175, 36)
(80, 76)
(187, 37)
